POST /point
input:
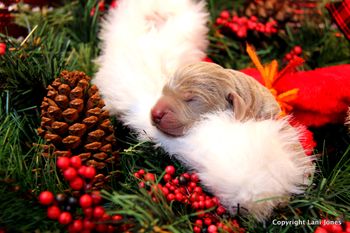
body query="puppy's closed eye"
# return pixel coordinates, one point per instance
(188, 97)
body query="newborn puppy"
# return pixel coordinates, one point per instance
(207, 87)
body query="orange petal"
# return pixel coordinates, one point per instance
(255, 59)
(273, 71)
(288, 95)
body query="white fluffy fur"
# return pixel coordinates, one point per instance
(143, 43)
(254, 164)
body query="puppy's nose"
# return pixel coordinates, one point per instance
(157, 115)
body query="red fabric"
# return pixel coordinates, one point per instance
(323, 97)
(340, 12)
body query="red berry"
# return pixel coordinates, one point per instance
(201, 198)
(101, 228)
(234, 27)
(192, 185)
(347, 227)
(77, 225)
(101, 6)
(225, 15)
(201, 204)
(268, 30)
(137, 175)
(334, 228)
(167, 177)
(209, 204)
(90, 172)
(117, 217)
(288, 56)
(110, 229)
(65, 218)
(197, 229)
(170, 197)
(142, 184)
(198, 222)
(242, 33)
(212, 229)
(70, 173)
(53, 212)
(2, 48)
(81, 170)
(165, 191)
(254, 18)
(175, 181)
(170, 170)
(220, 21)
(194, 177)
(88, 212)
(220, 210)
(297, 50)
(320, 230)
(105, 217)
(150, 177)
(77, 183)
(113, 4)
(198, 190)
(195, 205)
(85, 201)
(216, 200)
(187, 176)
(98, 212)
(63, 163)
(88, 225)
(75, 161)
(96, 197)
(294, 57)
(46, 198)
(142, 172)
(179, 197)
(207, 59)
(207, 221)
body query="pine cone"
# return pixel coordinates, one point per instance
(284, 11)
(73, 122)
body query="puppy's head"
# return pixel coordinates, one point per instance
(194, 90)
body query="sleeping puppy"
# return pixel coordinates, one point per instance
(224, 125)
(207, 87)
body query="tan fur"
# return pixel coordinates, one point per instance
(207, 87)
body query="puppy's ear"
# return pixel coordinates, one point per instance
(239, 107)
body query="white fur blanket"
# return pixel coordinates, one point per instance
(143, 43)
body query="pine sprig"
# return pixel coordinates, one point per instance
(144, 215)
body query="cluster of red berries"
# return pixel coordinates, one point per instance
(79, 176)
(83, 211)
(64, 209)
(2, 48)
(328, 226)
(240, 26)
(185, 189)
(295, 52)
